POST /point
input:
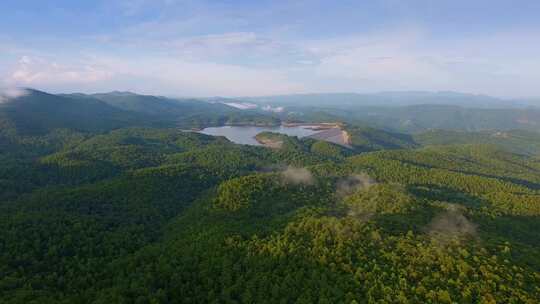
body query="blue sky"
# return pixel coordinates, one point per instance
(238, 48)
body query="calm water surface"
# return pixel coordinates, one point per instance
(246, 134)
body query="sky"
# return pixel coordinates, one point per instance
(249, 48)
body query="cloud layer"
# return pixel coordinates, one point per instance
(9, 93)
(297, 176)
(353, 183)
(207, 48)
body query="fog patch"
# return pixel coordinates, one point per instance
(451, 223)
(349, 185)
(352, 183)
(297, 176)
(360, 216)
(7, 94)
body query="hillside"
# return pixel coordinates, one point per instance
(186, 113)
(36, 113)
(518, 141)
(371, 139)
(39, 122)
(161, 106)
(423, 117)
(150, 195)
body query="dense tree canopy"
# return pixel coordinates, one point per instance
(148, 215)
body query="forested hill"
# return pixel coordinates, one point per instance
(157, 105)
(39, 122)
(37, 113)
(183, 112)
(518, 141)
(109, 209)
(423, 117)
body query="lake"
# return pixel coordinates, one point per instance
(246, 134)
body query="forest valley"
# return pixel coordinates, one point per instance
(104, 204)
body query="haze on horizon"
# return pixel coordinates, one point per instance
(247, 48)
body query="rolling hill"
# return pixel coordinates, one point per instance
(186, 113)
(517, 141)
(98, 207)
(36, 113)
(420, 118)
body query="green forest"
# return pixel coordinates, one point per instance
(112, 204)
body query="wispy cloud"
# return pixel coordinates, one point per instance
(413, 60)
(186, 47)
(148, 74)
(30, 71)
(297, 176)
(9, 93)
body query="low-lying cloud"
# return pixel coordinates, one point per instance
(352, 183)
(451, 223)
(297, 176)
(7, 94)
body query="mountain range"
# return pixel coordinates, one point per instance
(393, 98)
(395, 111)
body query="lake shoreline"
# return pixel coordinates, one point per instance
(246, 134)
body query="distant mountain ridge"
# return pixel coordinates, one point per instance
(37, 112)
(157, 105)
(391, 98)
(34, 112)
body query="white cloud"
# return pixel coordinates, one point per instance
(148, 74)
(176, 76)
(242, 105)
(225, 46)
(380, 63)
(222, 48)
(9, 93)
(414, 60)
(297, 176)
(273, 109)
(250, 63)
(33, 71)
